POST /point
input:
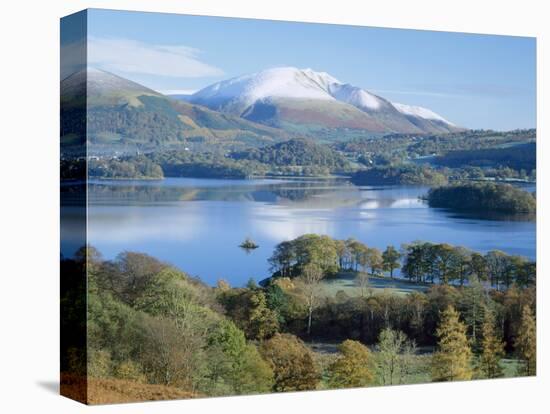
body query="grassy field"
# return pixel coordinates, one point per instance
(420, 373)
(346, 282)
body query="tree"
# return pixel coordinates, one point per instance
(342, 252)
(526, 275)
(172, 357)
(292, 363)
(473, 306)
(278, 301)
(282, 259)
(235, 364)
(353, 367)
(318, 250)
(249, 310)
(373, 259)
(492, 348)
(526, 342)
(446, 261)
(263, 322)
(393, 357)
(452, 361)
(362, 281)
(514, 266)
(462, 264)
(479, 267)
(419, 261)
(133, 272)
(310, 279)
(496, 262)
(391, 259)
(416, 305)
(356, 251)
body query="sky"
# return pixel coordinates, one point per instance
(475, 81)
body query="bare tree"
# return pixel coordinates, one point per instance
(310, 280)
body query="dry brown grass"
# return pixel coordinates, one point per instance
(115, 391)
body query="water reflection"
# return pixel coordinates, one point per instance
(199, 224)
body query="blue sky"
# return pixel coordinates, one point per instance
(476, 81)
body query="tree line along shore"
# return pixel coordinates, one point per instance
(152, 325)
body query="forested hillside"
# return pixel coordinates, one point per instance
(483, 197)
(154, 331)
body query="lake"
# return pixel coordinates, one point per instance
(198, 224)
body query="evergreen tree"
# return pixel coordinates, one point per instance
(472, 306)
(526, 342)
(492, 348)
(452, 361)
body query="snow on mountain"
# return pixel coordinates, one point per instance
(248, 94)
(356, 96)
(420, 112)
(285, 82)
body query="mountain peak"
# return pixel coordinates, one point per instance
(278, 82)
(312, 97)
(103, 86)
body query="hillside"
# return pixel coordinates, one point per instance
(126, 117)
(313, 103)
(517, 157)
(399, 175)
(295, 152)
(116, 391)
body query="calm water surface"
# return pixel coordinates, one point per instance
(197, 224)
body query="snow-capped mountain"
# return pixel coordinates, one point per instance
(303, 100)
(420, 112)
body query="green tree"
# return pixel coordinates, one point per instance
(479, 267)
(526, 275)
(446, 263)
(526, 342)
(235, 364)
(452, 360)
(278, 301)
(282, 259)
(292, 363)
(353, 367)
(496, 262)
(317, 250)
(263, 322)
(393, 356)
(356, 252)
(492, 348)
(391, 260)
(249, 310)
(374, 261)
(473, 305)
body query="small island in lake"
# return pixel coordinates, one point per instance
(483, 196)
(248, 244)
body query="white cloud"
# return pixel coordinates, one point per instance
(131, 56)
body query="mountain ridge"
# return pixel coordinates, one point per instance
(124, 116)
(281, 87)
